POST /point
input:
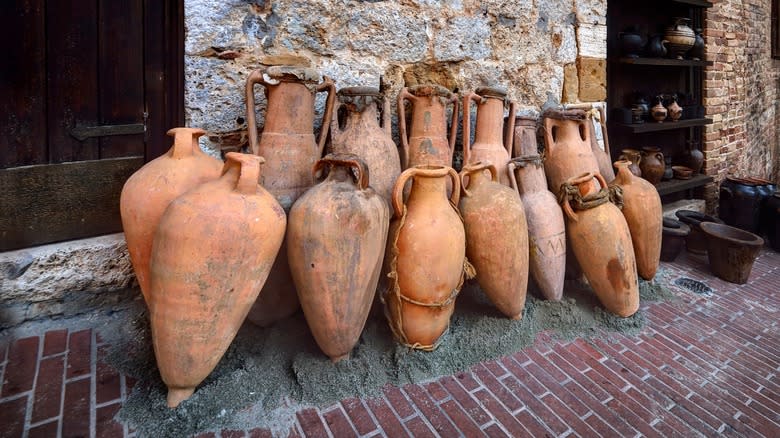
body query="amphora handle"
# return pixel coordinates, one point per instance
(330, 87)
(467, 123)
(255, 77)
(426, 171)
(477, 167)
(350, 161)
(402, 95)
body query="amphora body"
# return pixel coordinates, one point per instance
(602, 244)
(148, 191)
(336, 243)
(426, 256)
(546, 228)
(427, 141)
(496, 237)
(644, 216)
(492, 140)
(290, 149)
(567, 147)
(212, 253)
(362, 134)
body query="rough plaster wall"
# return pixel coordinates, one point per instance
(741, 92)
(461, 44)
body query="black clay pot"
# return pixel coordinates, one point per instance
(740, 203)
(697, 51)
(731, 251)
(770, 217)
(656, 47)
(695, 242)
(673, 240)
(631, 44)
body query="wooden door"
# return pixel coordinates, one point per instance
(87, 91)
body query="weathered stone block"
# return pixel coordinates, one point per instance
(592, 40)
(462, 38)
(387, 31)
(592, 74)
(571, 84)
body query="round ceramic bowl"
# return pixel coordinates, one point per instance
(682, 172)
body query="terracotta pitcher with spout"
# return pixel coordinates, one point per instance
(356, 128)
(426, 256)
(601, 242)
(336, 243)
(546, 229)
(567, 146)
(290, 149)
(212, 253)
(492, 140)
(644, 217)
(496, 237)
(427, 141)
(148, 191)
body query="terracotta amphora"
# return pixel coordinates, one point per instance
(212, 253)
(596, 117)
(546, 229)
(567, 147)
(644, 216)
(496, 237)
(601, 242)
(148, 191)
(336, 243)
(427, 142)
(652, 164)
(290, 149)
(363, 135)
(426, 256)
(492, 140)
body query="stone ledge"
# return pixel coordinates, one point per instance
(42, 280)
(684, 204)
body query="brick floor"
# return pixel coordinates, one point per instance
(701, 366)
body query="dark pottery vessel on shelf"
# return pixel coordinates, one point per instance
(659, 111)
(695, 242)
(673, 240)
(692, 157)
(641, 103)
(638, 113)
(674, 110)
(697, 51)
(652, 164)
(680, 36)
(770, 217)
(682, 172)
(631, 43)
(656, 46)
(635, 157)
(740, 202)
(668, 171)
(731, 251)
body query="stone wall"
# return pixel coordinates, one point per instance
(548, 50)
(741, 92)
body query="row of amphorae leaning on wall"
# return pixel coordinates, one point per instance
(281, 227)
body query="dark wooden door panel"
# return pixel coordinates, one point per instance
(121, 67)
(23, 84)
(72, 68)
(54, 202)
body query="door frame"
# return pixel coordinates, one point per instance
(164, 72)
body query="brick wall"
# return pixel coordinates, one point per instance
(741, 92)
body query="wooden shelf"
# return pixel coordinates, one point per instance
(664, 61)
(638, 128)
(700, 3)
(678, 185)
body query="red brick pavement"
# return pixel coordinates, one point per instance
(701, 366)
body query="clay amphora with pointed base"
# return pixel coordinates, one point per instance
(212, 253)
(426, 256)
(427, 142)
(290, 149)
(567, 146)
(546, 229)
(644, 216)
(496, 237)
(363, 135)
(492, 140)
(601, 242)
(147, 193)
(336, 243)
